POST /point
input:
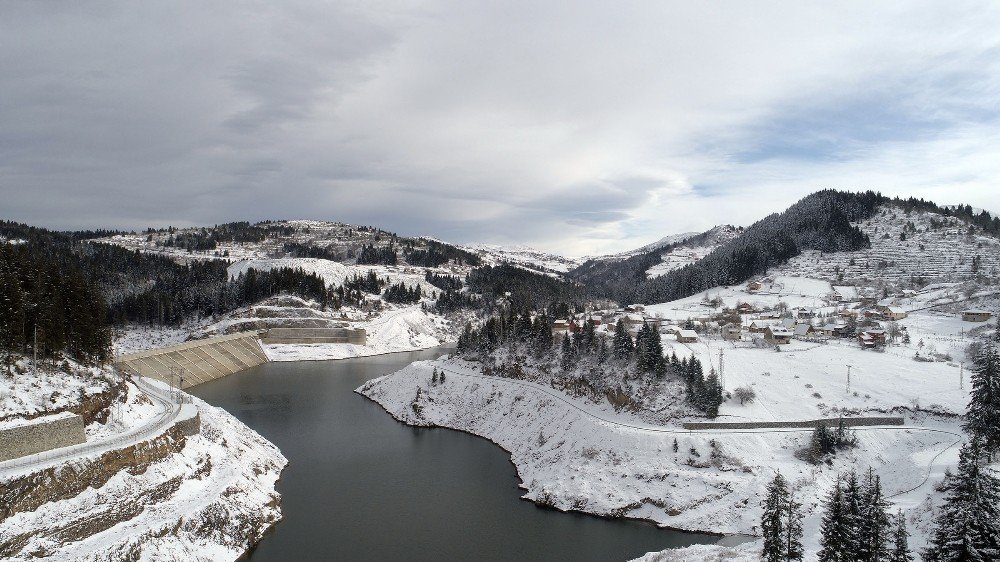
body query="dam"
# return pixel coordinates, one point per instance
(198, 361)
(195, 362)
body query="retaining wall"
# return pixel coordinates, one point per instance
(314, 335)
(829, 422)
(197, 361)
(20, 438)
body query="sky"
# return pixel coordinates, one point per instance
(576, 127)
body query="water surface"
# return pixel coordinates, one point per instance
(361, 486)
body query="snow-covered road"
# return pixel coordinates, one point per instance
(936, 464)
(169, 413)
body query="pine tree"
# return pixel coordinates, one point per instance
(566, 353)
(772, 522)
(441, 376)
(602, 350)
(967, 526)
(434, 376)
(852, 517)
(901, 548)
(713, 395)
(834, 530)
(982, 420)
(622, 342)
(876, 525)
(793, 529)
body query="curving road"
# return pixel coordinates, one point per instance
(169, 412)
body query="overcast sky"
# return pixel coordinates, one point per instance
(575, 127)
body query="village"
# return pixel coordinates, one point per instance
(759, 314)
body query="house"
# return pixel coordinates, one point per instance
(845, 293)
(745, 308)
(758, 327)
(635, 307)
(653, 321)
(802, 330)
(754, 286)
(828, 330)
(687, 336)
(732, 332)
(788, 323)
(560, 325)
(892, 312)
(670, 329)
(871, 338)
(778, 335)
(976, 315)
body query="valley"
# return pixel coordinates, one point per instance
(605, 406)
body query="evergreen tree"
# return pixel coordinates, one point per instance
(441, 376)
(434, 376)
(781, 524)
(793, 529)
(967, 526)
(834, 530)
(566, 353)
(901, 548)
(772, 522)
(876, 525)
(602, 350)
(622, 342)
(713, 395)
(982, 420)
(852, 517)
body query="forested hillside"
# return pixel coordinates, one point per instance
(820, 221)
(46, 293)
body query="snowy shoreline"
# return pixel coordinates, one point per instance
(580, 463)
(521, 485)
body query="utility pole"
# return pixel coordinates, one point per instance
(722, 369)
(961, 375)
(849, 379)
(34, 350)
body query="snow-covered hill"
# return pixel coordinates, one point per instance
(907, 249)
(525, 257)
(691, 249)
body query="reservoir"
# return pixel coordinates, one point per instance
(361, 486)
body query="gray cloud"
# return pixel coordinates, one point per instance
(577, 128)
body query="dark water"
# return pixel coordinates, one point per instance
(361, 486)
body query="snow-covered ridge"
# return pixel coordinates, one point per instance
(523, 256)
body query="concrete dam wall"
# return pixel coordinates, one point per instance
(197, 361)
(314, 335)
